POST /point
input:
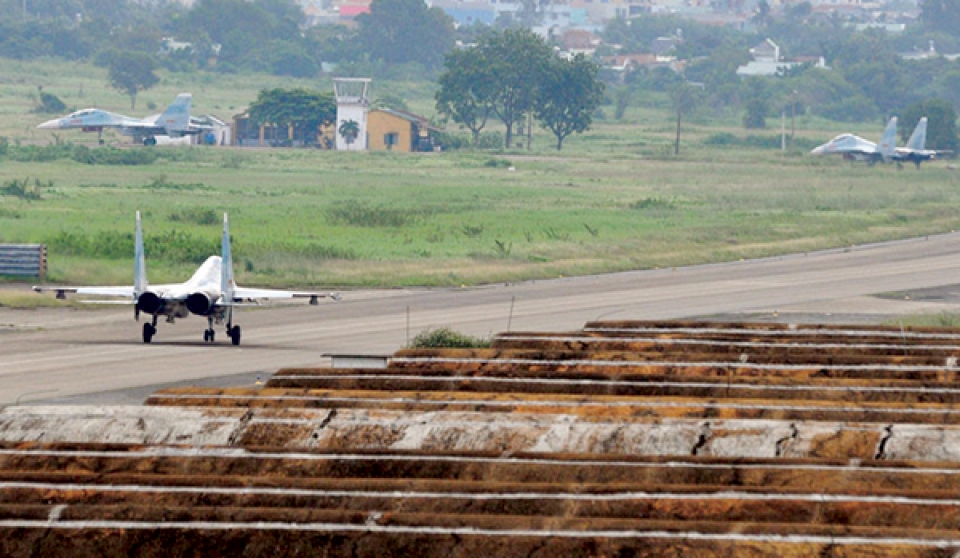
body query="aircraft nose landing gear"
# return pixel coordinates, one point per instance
(208, 335)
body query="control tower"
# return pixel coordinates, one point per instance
(353, 104)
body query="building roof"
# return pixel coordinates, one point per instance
(421, 121)
(578, 39)
(353, 10)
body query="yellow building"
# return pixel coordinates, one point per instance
(397, 130)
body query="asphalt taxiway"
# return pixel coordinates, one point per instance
(67, 355)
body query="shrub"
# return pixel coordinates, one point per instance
(446, 338)
(113, 156)
(498, 163)
(24, 189)
(362, 215)
(652, 203)
(451, 141)
(490, 140)
(195, 215)
(172, 246)
(161, 182)
(39, 153)
(726, 139)
(50, 103)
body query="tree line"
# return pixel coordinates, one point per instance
(405, 39)
(516, 76)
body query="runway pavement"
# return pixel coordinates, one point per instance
(63, 353)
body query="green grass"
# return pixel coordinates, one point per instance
(616, 198)
(943, 319)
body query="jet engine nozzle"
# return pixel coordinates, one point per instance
(200, 303)
(150, 303)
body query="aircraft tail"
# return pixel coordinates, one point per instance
(918, 140)
(888, 142)
(227, 283)
(140, 263)
(176, 119)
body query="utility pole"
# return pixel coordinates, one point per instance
(529, 129)
(783, 131)
(793, 116)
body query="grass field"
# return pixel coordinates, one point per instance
(614, 199)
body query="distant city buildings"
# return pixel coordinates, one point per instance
(768, 62)
(554, 16)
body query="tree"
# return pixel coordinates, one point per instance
(465, 92)
(529, 15)
(132, 72)
(567, 95)
(762, 17)
(941, 123)
(516, 59)
(942, 15)
(304, 110)
(286, 58)
(948, 86)
(684, 98)
(243, 28)
(350, 130)
(402, 31)
(757, 104)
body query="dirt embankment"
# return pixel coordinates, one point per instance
(627, 438)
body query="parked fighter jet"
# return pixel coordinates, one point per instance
(855, 148)
(211, 292)
(858, 149)
(915, 151)
(174, 122)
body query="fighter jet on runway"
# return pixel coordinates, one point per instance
(855, 148)
(174, 122)
(211, 292)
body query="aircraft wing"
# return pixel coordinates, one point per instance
(244, 293)
(95, 291)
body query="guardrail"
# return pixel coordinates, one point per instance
(28, 260)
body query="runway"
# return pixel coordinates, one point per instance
(56, 354)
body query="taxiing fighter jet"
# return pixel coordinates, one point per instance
(211, 292)
(174, 122)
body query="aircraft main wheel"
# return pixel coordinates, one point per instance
(148, 331)
(235, 335)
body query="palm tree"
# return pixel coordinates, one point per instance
(349, 129)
